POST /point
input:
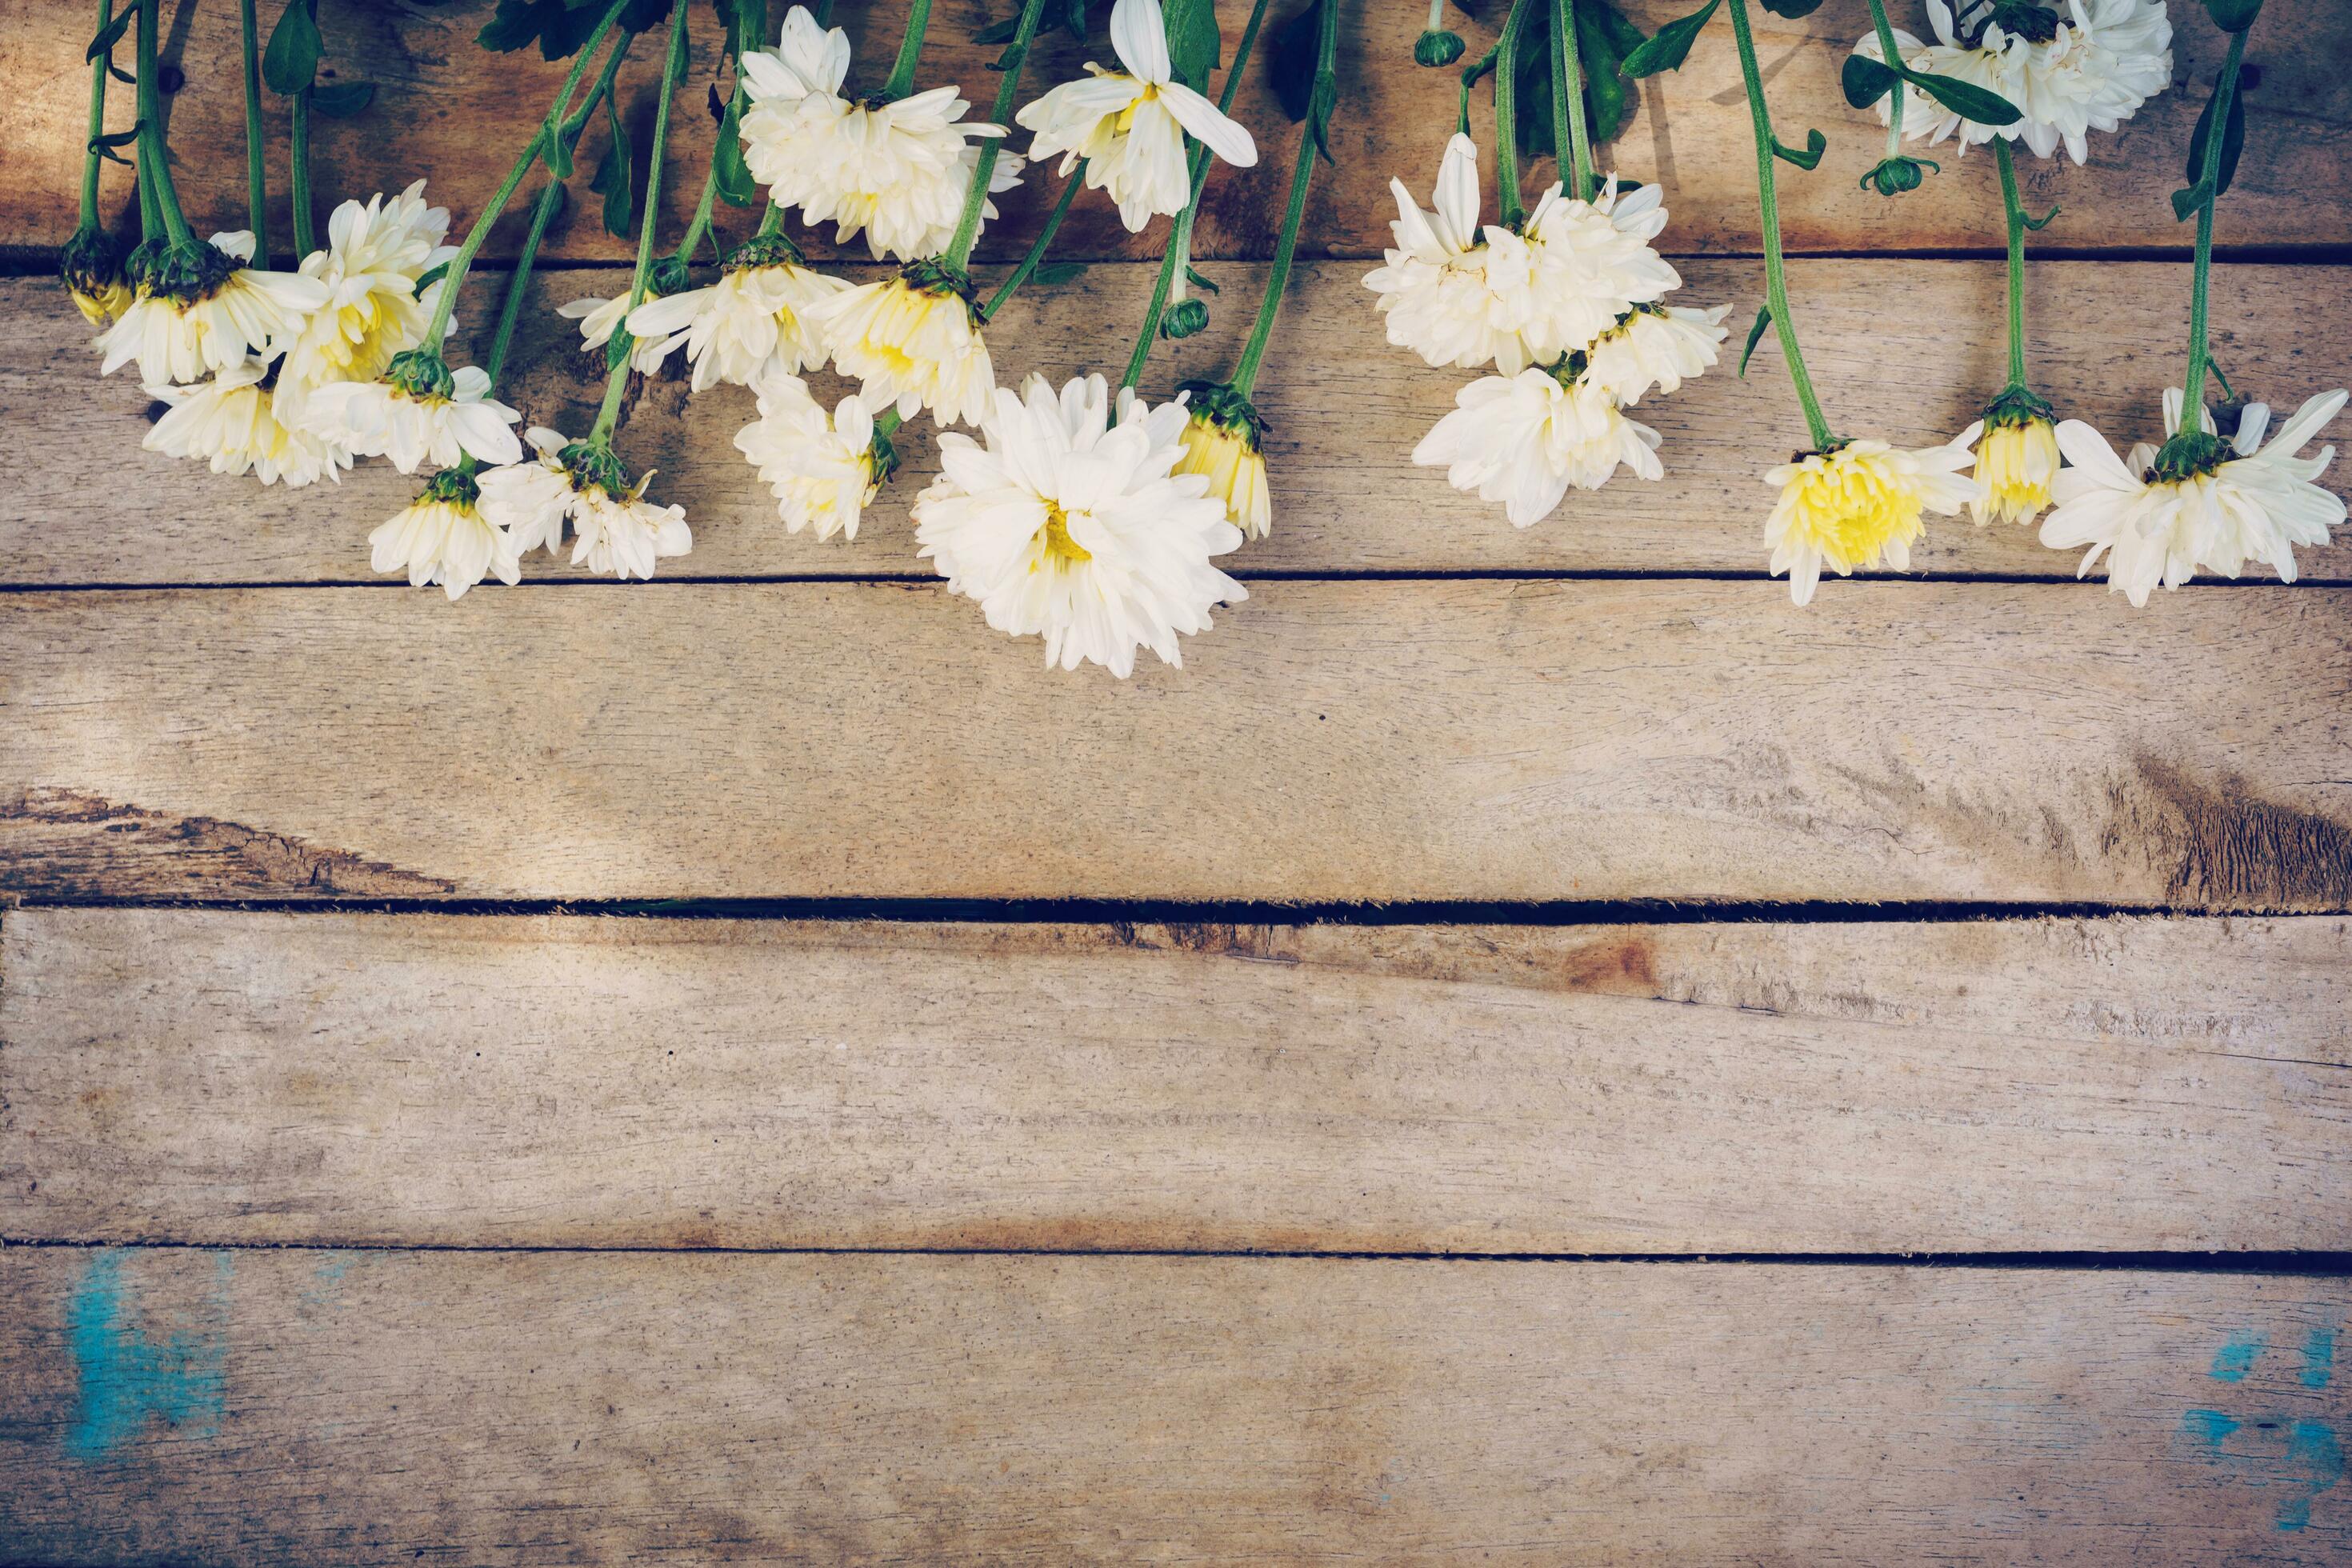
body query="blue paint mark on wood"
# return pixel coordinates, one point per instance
(2302, 1459)
(2318, 1357)
(2236, 1357)
(2313, 1446)
(2208, 1429)
(125, 1377)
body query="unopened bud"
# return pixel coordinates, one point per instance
(1183, 319)
(1436, 48)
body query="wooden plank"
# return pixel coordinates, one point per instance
(1347, 408)
(447, 109)
(369, 1407)
(1326, 740)
(235, 1077)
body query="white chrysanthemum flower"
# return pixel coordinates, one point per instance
(409, 420)
(598, 317)
(755, 320)
(1433, 287)
(912, 341)
(374, 257)
(443, 538)
(2016, 449)
(232, 422)
(823, 471)
(1525, 440)
(1578, 265)
(1857, 506)
(615, 527)
(2159, 528)
(897, 170)
(199, 314)
(1071, 524)
(2088, 69)
(1656, 346)
(1129, 126)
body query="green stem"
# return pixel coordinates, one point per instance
(463, 260)
(2015, 211)
(96, 121)
(975, 196)
(1894, 59)
(1506, 117)
(257, 171)
(772, 223)
(298, 174)
(609, 414)
(1037, 252)
(1776, 286)
(1179, 237)
(2199, 352)
(699, 225)
(152, 157)
(910, 49)
(1569, 128)
(1325, 88)
(551, 201)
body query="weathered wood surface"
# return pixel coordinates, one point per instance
(1347, 408)
(230, 1077)
(369, 1408)
(448, 111)
(1326, 740)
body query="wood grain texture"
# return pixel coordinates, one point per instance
(229, 1077)
(1326, 740)
(367, 1408)
(448, 111)
(1347, 410)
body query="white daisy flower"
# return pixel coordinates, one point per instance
(1659, 346)
(755, 320)
(2158, 518)
(1576, 267)
(1129, 126)
(1858, 506)
(374, 257)
(895, 171)
(823, 471)
(598, 317)
(1071, 524)
(1525, 440)
(913, 341)
(443, 538)
(615, 527)
(1433, 286)
(232, 422)
(421, 413)
(2088, 67)
(199, 312)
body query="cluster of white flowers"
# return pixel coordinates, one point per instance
(1567, 308)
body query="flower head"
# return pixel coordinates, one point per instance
(1525, 440)
(1857, 505)
(234, 422)
(1659, 346)
(1071, 524)
(2199, 500)
(598, 317)
(1223, 443)
(1129, 125)
(442, 537)
(914, 341)
(421, 412)
(823, 471)
(2016, 457)
(2069, 69)
(1433, 286)
(895, 168)
(1576, 267)
(615, 527)
(374, 257)
(92, 268)
(200, 310)
(756, 320)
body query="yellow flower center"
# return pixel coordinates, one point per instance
(2015, 463)
(1126, 120)
(1061, 550)
(1852, 507)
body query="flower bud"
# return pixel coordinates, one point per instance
(1183, 319)
(1436, 48)
(1895, 175)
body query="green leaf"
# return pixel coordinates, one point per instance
(1200, 282)
(1810, 157)
(1790, 7)
(1671, 45)
(1755, 336)
(291, 58)
(431, 276)
(1965, 99)
(1866, 81)
(1604, 37)
(1192, 42)
(611, 181)
(104, 146)
(736, 186)
(1534, 89)
(341, 99)
(1319, 105)
(2037, 225)
(2233, 140)
(2186, 202)
(559, 28)
(111, 34)
(2233, 16)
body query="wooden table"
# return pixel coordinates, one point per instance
(1527, 1048)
